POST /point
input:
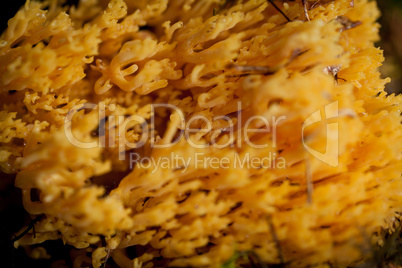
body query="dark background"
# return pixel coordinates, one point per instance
(12, 215)
(391, 42)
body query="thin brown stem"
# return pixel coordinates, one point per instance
(31, 226)
(279, 10)
(304, 2)
(276, 240)
(309, 182)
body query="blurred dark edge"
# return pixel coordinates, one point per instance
(12, 215)
(391, 43)
(10, 7)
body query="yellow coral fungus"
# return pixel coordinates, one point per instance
(192, 130)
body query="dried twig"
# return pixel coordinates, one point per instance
(31, 225)
(107, 257)
(334, 70)
(347, 23)
(279, 10)
(309, 182)
(304, 2)
(276, 240)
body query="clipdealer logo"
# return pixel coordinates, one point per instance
(118, 126)
(331, 154)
